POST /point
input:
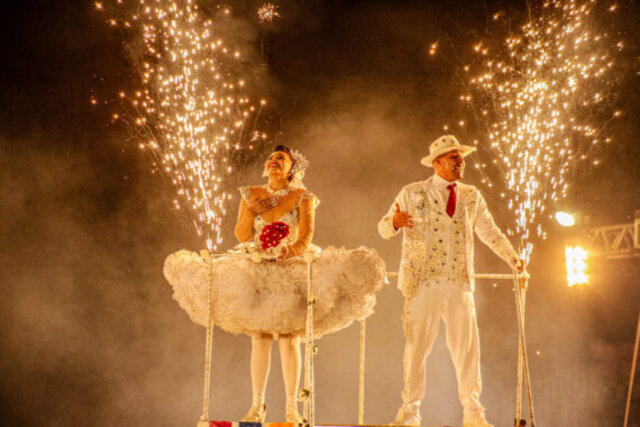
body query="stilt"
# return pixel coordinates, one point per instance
(633, 371)
(523, 360)
(361, 384)
(209, 347)
(309, 350)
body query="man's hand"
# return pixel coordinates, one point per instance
(402, 219)
(260, 205)
(519, 265)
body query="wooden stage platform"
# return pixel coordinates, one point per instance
(212, 423)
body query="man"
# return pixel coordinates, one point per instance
(438, 217)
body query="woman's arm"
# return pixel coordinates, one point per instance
(244, 226)
(307, 213)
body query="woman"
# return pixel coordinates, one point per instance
(267, 204)
(267, 299)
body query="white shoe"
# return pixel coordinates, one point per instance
(410, 421)
(476, 420)
(292, 414)
(403, 419)
(257, 413)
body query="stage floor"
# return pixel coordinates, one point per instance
(213, 423)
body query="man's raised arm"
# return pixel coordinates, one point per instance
(385, 227)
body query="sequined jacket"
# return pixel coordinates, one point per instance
(420, 256)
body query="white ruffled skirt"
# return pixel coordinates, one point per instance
(269, 297)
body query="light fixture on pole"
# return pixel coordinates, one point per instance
(576, 258)
(565, 219)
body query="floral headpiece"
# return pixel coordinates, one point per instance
(300, 163)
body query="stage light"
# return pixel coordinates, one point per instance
(576, 258)
(565, 219)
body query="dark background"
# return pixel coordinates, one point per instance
(89, 333)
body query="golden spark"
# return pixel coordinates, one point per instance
(190, 112)
(433, 48)
(268, 12)
(533, 99)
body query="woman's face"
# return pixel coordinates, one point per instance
(278, 164)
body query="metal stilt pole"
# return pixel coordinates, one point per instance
(308, 408)
(209, 346)
(361, 384)
(633, 371)
(523, 360)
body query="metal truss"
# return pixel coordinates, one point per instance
(615, 241)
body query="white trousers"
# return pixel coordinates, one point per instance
(421, 323)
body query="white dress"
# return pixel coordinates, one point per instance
(267, 296)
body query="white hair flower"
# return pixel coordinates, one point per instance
(300, 163)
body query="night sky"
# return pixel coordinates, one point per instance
(89, 332)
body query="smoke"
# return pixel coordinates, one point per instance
(89, 330)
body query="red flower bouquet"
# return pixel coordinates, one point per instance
(273, 234)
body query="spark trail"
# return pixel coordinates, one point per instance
(540, 101)
(190, 113)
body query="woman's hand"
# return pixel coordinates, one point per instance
(260, 205)
(285, 253)
(290, 251)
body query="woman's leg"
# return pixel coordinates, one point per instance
(260, 364)
(291, 366)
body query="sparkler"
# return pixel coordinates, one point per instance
(535, 99)
(268, 12)
(191, 112)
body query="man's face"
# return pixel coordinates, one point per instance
(450, 165)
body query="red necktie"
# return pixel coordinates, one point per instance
(451, 203)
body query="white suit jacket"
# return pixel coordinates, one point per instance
(420, 200)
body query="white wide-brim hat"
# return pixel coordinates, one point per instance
(443, 145)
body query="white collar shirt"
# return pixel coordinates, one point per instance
(448, 279)
(441, 185)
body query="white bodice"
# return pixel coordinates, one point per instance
(291, 218)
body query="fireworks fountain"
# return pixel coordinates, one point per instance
(268, 12)
(540, 101)
(191, 113)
